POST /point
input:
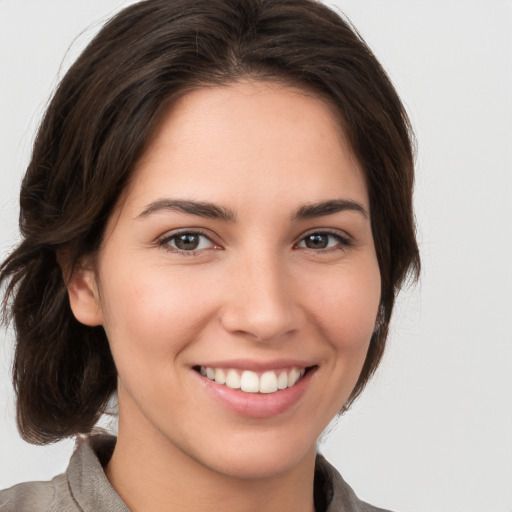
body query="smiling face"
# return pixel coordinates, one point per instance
(241, 256)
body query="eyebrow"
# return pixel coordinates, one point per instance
(213, 211)
(310, 211)
(199, 208)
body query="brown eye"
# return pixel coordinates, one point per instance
(187, 242)
(318, 241)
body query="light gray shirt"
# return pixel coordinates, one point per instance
(85, 488)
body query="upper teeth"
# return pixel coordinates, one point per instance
(252, 382)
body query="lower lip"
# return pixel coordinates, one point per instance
(257, 405)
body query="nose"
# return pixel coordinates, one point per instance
(261, 301)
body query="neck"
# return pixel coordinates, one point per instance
(152, 474)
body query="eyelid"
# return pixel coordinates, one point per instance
(162, 241)
(344, 239)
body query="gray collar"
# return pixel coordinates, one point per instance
(92, 491)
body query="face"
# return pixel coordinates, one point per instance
(241, 256)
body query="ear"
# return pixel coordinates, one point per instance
(82, 287)
(84, 297)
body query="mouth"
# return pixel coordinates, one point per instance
(256, 390)
(248, 381)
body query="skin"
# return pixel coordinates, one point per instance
(252, 290)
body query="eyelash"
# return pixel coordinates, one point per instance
(342, 242)
(165, 242)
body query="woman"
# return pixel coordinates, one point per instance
(216, 221)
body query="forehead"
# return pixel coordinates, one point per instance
(251, 139)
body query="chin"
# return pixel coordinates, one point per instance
(259, 459)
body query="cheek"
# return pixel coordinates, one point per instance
(151, 315)
(346, 307)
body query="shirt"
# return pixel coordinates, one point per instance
(85, 488)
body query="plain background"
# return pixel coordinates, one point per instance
(433, 432)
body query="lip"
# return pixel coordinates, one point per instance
(256, 405)
(257, 366)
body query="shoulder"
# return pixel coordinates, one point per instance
(83, 486)
(51, 496)
(333, 494)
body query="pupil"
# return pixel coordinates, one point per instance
(316, 241)
(187, 241)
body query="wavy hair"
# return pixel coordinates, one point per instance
(97, 125)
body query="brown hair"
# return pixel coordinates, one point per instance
(99, 122)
